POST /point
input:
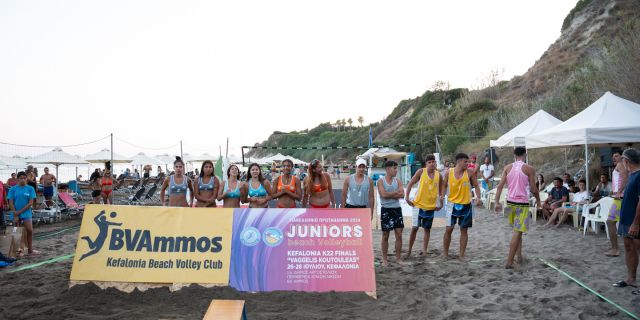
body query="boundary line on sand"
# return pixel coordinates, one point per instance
(588, 289)
(35, 265)
(69, 256)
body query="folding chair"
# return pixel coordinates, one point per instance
(133, 188)
(150, 195)
(135, 199)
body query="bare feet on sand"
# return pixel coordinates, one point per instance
(612, 253)
(385, 263)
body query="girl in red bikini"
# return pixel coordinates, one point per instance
(287, 187)
(317, 188)
(106, 184)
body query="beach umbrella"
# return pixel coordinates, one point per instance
(201, 158)
(187, 157)
(56, 157)
(142, 159)
(105, 155)
(166, 159)
(15, 162)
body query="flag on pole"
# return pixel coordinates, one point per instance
(370, 137)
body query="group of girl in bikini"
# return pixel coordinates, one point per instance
(257, 191)
(102, 185)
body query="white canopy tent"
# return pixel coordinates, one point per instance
(610, 119)
(517, 136)
(56, 157)
(375, 156)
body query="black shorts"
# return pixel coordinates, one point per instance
(352, 206)
(623, 231)
(96, 193)
(145, 175)
(391, 218)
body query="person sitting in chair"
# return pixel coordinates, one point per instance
(604, 187)
(579, 199)
(557, 196)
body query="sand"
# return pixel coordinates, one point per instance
(479, 288)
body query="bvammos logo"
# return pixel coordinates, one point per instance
(142, 240)
(250, 236)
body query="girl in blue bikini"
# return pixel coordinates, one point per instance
(233, 189)
(257, 195)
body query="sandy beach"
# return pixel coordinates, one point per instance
(479, 288)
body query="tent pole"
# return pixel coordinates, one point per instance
(586, 164)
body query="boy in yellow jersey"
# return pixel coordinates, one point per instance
(460, 180)
(428, 199)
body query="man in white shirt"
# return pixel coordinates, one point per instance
(487, 174)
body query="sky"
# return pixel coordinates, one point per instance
(154, 73)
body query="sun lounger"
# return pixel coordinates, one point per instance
(70, 206)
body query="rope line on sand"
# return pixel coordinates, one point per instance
(35, 265)
(588, 289)
(69, 256)
(53, 233)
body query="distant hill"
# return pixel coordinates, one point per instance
(598, 51)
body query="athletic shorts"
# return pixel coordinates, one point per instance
(518, 216)
(26, 216)
(623, 231)
(460, 214)
(423, 218)
(352, 206)
(48, 191)
(614, 212)
(487, 186)
(391, 218)
(96, 193)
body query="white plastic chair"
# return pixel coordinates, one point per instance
(490, 197)
(533, 209)
(601, 214)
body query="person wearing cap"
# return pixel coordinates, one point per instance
(630, 217)
(357, 189)
(427, 201)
